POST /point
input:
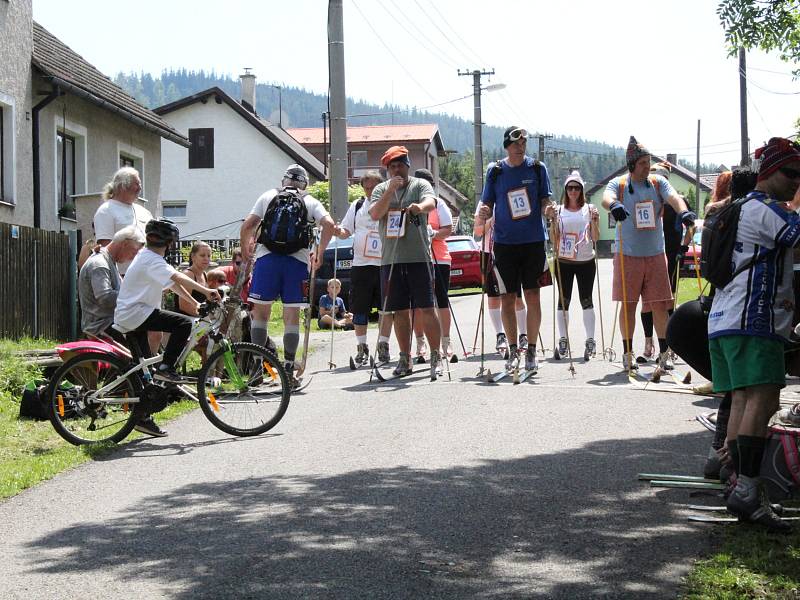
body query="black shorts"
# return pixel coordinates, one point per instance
(519, 264)
(365, 289)
(492, 287)
(411, 286)
(441, 285)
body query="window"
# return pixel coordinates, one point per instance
(2, 157)
(358, 162)
(126, 161)
(175, 210)
(201, 152)
(66, 174)
(7, 150)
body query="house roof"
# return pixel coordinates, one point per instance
(274, 133)
(371, 134)
(73, 74)
(452, 194)
(676, 169)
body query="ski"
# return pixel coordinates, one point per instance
(356, 365)
(689, 485)
(302, 384)
(381, 378)
(500, 376)
(664, 477)
(706, 508)
(713, 519)
(527, 373)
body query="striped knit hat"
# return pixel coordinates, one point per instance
(774, 155)
(634, 152)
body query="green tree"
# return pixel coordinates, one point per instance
(771, 25)
(322, 192)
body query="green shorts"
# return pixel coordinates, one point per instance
(739, 361)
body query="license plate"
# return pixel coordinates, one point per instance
(457, 272)
(343, 264)
(691, 266)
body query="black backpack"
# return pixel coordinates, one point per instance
(285, 228)
(718, 242)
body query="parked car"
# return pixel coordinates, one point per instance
(343, 251)
(688, 263)
(465, 270)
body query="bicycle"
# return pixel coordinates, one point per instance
(101, 393)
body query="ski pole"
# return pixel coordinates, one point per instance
(627, 352)
(564, 309)
(696, 264)
(599, 301)
(482, 319)
(311, 285)
(331, 364)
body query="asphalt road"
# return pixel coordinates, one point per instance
(452, 489)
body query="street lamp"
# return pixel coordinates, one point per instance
(280, 104)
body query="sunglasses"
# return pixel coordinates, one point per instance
(574, 188)
(518, 134)
(790, 173)
(237, 262)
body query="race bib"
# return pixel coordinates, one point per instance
(645, 215)
(519, 204)
(372, 245)
(395, 224)
(569, 245)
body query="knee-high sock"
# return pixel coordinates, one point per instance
(497, 319)
(291, 339)
(562, 322)
(588, 322)
(522, 321)
(258, 332)
(647, 324)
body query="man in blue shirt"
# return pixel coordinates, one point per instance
(517, 192)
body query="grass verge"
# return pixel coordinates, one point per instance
(688, 289)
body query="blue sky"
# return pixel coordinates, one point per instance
(596, 70)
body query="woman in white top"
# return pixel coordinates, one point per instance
(576, 229)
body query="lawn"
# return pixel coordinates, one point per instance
(688, 289)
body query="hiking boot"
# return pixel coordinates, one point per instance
(403, 367)
(436, 365)
(790, 416)
(383, 353)
(502, 345)
(531, 364)
(749, 502)
(713, 464)
(562, 347)
(362, 354)
(589, 349)
(168, 374)
(629, 363)
(665, 362)
(523, 342)
(149, 427)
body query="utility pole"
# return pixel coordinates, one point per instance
(542, 137)
(698, 204)
(478, 143)
(555, 170)
(745, 143)
(338, 118)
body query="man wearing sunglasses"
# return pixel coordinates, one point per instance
(517, 193)
(750, 322)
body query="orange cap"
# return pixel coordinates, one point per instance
(394, 153)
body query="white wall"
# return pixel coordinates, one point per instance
(246, 164)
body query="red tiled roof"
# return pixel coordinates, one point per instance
(371, 133)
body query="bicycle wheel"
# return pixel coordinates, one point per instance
(246, 393)
(78, 413)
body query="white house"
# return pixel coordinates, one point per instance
(234, 157)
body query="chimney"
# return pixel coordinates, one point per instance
(672, 159)
(248, 83)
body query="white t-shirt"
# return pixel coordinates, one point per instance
(574, 229)
(113, 215)
(316, 212)
(367, 247)
(140, 294)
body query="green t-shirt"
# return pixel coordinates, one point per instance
(414, 245)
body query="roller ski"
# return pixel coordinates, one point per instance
(531, 366)
(436, 365)
(749, 502)
(361, 358)
(502, 346)
(667, 477)
(589, 350)
(511, 368)
(778, 509)
(402, 369)
(779, 524)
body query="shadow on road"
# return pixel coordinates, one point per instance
(572, 524)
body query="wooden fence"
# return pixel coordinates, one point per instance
(35, 283)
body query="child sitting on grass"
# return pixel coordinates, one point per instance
(338, 317)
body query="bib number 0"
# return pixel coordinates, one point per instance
(372, 245)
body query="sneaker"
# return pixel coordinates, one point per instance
(629, 363)
(502, 344)
(362, 354)
(149, 427)
(383, 352)
(665, 362)
(790, 416)
(562, 347)
(590, 349)
(168, 374)
(422, 347)
(436, 365)
(649, 349)
(531, 364)
(749, 502)
(403, 367)
(523, 342)
(512, 362)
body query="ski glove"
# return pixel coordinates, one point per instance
(619, 211)
(687, 217)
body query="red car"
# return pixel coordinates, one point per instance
(688, 264)
(466, 261)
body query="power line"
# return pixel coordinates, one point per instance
(456, 34)
(412, 109)
(432, 21)
(773, 72)
(437, 52)
(750, 81)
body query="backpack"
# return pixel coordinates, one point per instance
(285, 228)
(780, 467)
(718, 242)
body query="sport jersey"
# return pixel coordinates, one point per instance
(642, 230)
(759, 300)
(441, 217)
(516, 194)
(405, 238)
(574, 227)
(316, 212)
(326, 302)
(367, 248)
(140, 293)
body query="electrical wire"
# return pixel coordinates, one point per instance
(763, 121)
(457, 35)
(763, 89)
(433, 22)
(436, 52)
(407, 110)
